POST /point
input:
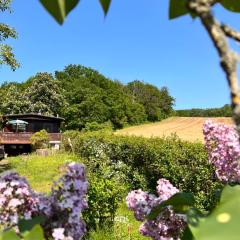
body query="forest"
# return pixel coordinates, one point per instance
(82, 95)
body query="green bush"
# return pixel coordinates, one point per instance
(143, 161)
(104, 196)
(40, 139)
(95, 126)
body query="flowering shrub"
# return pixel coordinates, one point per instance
(17, 200)
(168, 225)
(142, 162)
(62, 208)
(222, 144)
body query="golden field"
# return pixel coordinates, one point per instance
(187, 128)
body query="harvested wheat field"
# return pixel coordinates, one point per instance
(187, 128)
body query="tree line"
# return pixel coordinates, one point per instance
(82, 95)
(225, 111)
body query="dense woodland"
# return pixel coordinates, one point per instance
(82, 95)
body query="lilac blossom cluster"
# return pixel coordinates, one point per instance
(62, 208)
(168, 225)
(17, 200)
(222, 144)
(69, 200)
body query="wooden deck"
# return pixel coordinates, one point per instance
(23, 138)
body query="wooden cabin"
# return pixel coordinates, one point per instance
(16, 137)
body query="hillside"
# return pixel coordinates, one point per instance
(187, 128)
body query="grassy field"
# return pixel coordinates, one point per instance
(187, 128)
(42, 171)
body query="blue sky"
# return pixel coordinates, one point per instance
(135, 41)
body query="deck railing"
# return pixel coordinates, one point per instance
(23, 138)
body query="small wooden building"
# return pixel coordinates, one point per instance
(16, 137)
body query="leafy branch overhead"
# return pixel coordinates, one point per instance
(7, 32)
(59, 9)
(179, 8)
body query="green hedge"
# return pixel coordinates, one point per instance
(140, 162)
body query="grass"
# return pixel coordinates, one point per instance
(187, 128)
(125, 227)
(42, 171)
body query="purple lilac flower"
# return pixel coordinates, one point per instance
(16, 199)
(165, 189)
(58, 233)
(222, 144)
(168, 225)
(62, 208)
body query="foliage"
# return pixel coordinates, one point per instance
(94, 126)
(224, 111)
(39, 94)
(223, 222)
(6, 54)
(84, 97)
(59, 9)
(11, 99)
(39, 139)
(94, 98)
(44, 96)
(35, 233)
(143, 161)
(104, 196)
(157, 102)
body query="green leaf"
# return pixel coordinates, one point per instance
(223, 222)
(27, 225)
(35, 234)
(105, 5)
(231, 5)
(59, 9)
(177, 8)
(9, 235)
(194, 216)
(178, 201)
(187, 234)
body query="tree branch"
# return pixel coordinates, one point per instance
(229, 58)
(231, 32)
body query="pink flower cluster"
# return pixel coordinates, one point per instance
(168, 225)
(62, 208)
(222, 144)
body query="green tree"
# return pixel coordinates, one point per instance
(44, 95)
(6, 54)
(157, 102)
(94, 98)
(12, 101)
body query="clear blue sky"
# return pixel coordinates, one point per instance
(135, 41)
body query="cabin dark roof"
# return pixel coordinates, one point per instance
(33, 116)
